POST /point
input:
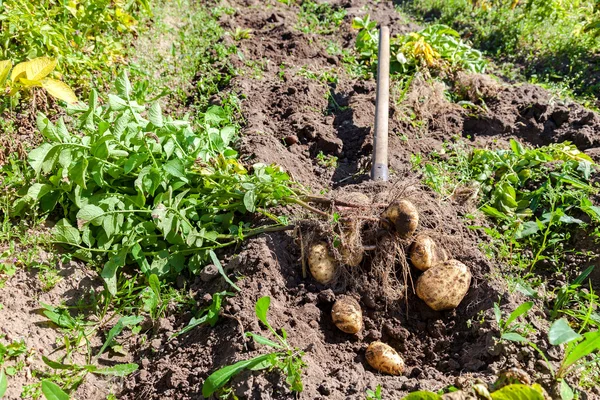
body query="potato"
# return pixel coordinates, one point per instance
(404, 216)
(384, 359)
(321, 264)
(347, 315)
(443, 286)
(424, 253)
(351, 249)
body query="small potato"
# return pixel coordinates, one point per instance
(443, 286)
(384, 359)
(347, 315)
(404, 216)
(424, 253)
(321, 264)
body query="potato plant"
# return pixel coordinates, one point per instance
(136, 187)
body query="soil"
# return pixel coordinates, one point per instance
(290, 119)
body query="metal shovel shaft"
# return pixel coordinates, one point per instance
(379, 171)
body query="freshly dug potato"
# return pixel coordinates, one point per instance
(384, 359)
(351, 249)
(347, 315)
(320, 262)
(425, 253)
(443, 286)
(404, 216)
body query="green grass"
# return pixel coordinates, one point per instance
(544, 41)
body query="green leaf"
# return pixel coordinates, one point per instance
(78, 172)
(217, 263)
(155, 115)
(52, 391)
(57, 365)
(522, 309)
(109, 272)
(59, 316)
(513, 337)
(3, 383)
(176, 168)
(63, 232)
(117, 370)
(117, 329)
(566, 393)
(590, 344)
(263, 340)
(123, 85)
(250, 200)
(560, 332)
(422, 395)
(529, 228)
(38, 190)
(90, 213)
(517, 392)
(262, 308)
(516, 147)
(219, 378)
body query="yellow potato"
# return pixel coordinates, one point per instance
(424, 253)
(384, 359)
(443, 286)
(321, 264)
(347, 315)
(404, 216)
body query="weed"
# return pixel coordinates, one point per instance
(374, 394)
(241, 34)
(510, 328)
(577, 348)
(285, 358)
(532, 194)
(327, 161)
(320, 18)
(576, 302)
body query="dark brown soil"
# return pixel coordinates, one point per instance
(290, 120)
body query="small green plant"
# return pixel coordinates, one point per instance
(577, 348)
(510, 328)
(574, 302)
(241, 33)
(321, 18)
(327, 161)
(284, 358)
(374, 394)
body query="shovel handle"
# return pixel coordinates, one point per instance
(379, 170)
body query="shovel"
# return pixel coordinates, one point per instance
(379, 169)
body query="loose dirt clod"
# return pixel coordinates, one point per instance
(384, 358)
(444, 285)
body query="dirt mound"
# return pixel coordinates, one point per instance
(292, 118)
